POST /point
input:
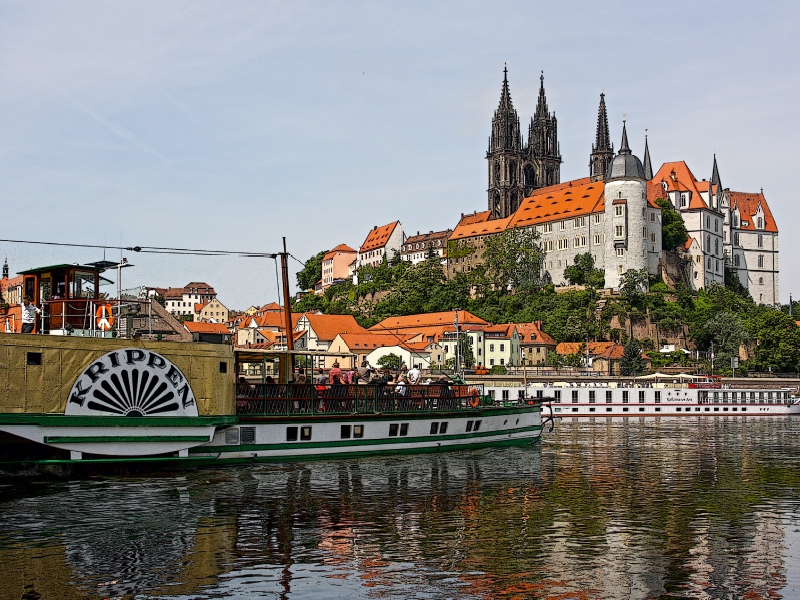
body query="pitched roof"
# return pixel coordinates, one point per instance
(203, 327)
(271, 307)
(327, 327)
(532, 333)
(595, 348)
(679, 178)
(613, 352)
(748, 206)
(566, 202)
(505, 329)
(340, 248)
(175, 293)
(421, 238)
(201, 285)
(199, 307)
(476, 217)
(428, 320)
(480, 228)
(378, 237)
(370, 340)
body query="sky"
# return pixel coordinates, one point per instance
(229, 125)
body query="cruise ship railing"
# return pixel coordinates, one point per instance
(327, 399)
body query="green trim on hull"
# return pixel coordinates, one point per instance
(360, 442)
(388, 416)
(71, 439)
(197, 461)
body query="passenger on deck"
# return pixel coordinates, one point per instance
(29, 312)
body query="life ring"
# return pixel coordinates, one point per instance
(103, 317)
(474, 400)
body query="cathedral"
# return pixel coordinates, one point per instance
(516, 169)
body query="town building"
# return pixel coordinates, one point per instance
(361, 345)
(210, 333)
(424, 354)
(382, 243)
(183, 301)
(534, 343)
(336, 265)
(421, 247)
(213, 311)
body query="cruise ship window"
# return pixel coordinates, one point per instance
(345, 433)
(469, 426)
(443, 427)
(477, 425)
(305, 433)
(434, 428)
(641, 396)
(574, 396)
(291, 434)
(403, 428)
(358, 431)
(608, 396)
(625, 396)
(393, 427)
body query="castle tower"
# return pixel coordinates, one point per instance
(505, 157)
(602, 149)
(543, 164)
(5, 269)
(625, 215)
(648, 166)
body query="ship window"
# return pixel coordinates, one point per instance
(624, 409)
(641, 409)
(345, 431)
(574, 409)
(504, 394)
(403, 428)
(658, 409)
(358, 431)
(469, 426)
(641, 396)
(574, 396)
(305, 433)
(34, 358)
(223, 366)
(608, 409)
(291, 434)
(608, 396)
(591, 409)
(443, 427)
(248, 435)
(434, 428)
(658, 397)
(591, 397)
(83, 285)
(625, 396)
(557, 395)
(232, 436)
(477, 425)
(393, 428)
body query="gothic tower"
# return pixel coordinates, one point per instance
(543, 164)
(505, 157)
(602, 149)
(648, 166)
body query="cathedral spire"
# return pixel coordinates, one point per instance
(541, 106)
(5, 269)
(505, 93)
(603, 149)
(648, 167)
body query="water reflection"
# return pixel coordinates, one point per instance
(641, 508)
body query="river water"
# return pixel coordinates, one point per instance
(637, 508)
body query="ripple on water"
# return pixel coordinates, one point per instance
(640, 508)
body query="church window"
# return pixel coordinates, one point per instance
(653, 237)
(735, 239)
(644, 233)
(619, 231)
(618, 210)
(716, 266)
(760, 260)
(735, 260)
(708, 243)
(760, 281)
(716, 225)
(652, 217)
(716, 246)
(709, 264)
(760, 241)
(583, 240)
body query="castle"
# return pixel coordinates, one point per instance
(612, 213)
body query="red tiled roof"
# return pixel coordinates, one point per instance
(378, 237)
(370, 340)
(748, 206)
(480, 228)
(327, 327)
(344, 248)
(679, 178)
(476, 217)
(564, 202)
(202, 327)
(428, 320)
(531, 333)
(595, 348)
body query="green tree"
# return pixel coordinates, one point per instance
(776, 338)
(631, 362)
(673, 229)
(514, 258)
(311, 273)
(582, 272)
(389, 361)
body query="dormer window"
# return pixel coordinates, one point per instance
(760, 223)
(683, 200)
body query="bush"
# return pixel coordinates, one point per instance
(498, 370)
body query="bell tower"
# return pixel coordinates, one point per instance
(543, 151)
